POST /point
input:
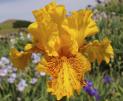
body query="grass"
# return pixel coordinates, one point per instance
(7, 24)
(7, 27)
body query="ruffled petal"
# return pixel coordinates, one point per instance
(47, 30)
(56, 12)
(67, 74)
(80, 25)
(66, 82)
(98, 50)
(20, 59)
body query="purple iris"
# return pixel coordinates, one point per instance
(107, 79)
(91, 90)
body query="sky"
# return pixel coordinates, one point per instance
(22, 9)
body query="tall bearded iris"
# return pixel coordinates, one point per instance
(67, 56)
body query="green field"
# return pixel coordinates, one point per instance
(10, 26)
(7, 27)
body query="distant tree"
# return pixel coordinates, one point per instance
(21, 24)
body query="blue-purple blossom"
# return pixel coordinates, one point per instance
(107, 79)
(5, 60)
(21, 86)
(90, 84)
(12, 78)
(3, 72)
(36, 58)
(9, 66)
(91, 90)
(33, 80)
(1, 64)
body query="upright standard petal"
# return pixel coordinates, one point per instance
(80, 25)
(47, 31)
(56, 12)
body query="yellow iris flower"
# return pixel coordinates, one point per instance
(66, 54)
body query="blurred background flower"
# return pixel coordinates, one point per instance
(33, 80)
(21, 85)
(36, 58)
(107, 79)
(3, 72)
(89, 89)
(12, 78)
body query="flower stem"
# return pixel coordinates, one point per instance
(68, 99)
(89, 98)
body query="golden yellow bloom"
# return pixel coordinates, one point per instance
(66, 54)
(98, 50)
(19, 59)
